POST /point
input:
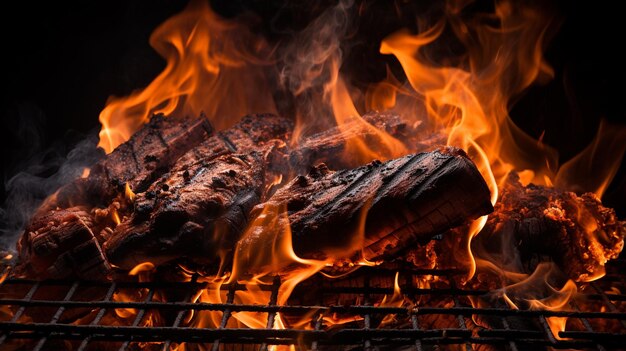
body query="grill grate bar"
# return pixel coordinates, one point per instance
(607, 301)
(360, 313)
(293, 336)
(271, 316)
(138, 318)
(317, 327)
(180, 314)
(225, 315)
(359, 309)
(505, 324)
(29, 295)
(459, 317)
(415, 325)
(367, 317)
(99, 315)
(546, 329)
(58, 314)
(586, 324)
(326, 290)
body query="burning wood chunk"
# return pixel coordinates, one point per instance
(260, 132)
(206, 198)
(422, 256)
(577, 232)
(198, 206)
(198, 209)
(195, 213)
(61, 243)
(251, 133)
(137, 162)
(404, 200)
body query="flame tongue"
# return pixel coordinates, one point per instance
(205, 72)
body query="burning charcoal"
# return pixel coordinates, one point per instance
(576, 232)
(60, 244)
(407, 199)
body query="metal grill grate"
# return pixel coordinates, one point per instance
(442, 315)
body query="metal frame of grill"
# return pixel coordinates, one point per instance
(610, 307)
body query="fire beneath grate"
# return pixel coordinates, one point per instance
(43, 323)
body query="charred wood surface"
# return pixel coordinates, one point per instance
(137, 162)
(158, 147)
(198, 209)
(59, 241)
(202, 211)
(195, 188)
(404, 200)
(62, 243)
(546, 224)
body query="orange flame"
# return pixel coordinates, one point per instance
(213, 66)
(207, 71)
(115, 216)
(469, 104)
(85, 172)
(533, 292)
(276, 257)
(593, 169)
(381, 147)
(128, 193)
(141, 268)
(279, 324)
(470, 107)
(396, 300)
(557, 301)
(143, 272)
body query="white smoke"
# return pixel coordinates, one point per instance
(36, 171)
(311, 57)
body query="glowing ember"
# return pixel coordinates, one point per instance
(128, 193)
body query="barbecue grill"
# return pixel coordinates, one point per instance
(599, 305)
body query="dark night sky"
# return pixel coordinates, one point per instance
(63, 60)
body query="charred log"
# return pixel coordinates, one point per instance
(137, 162)
(205, 194)
(405, 200)
(261, 132)
(203, 211)
(165, 138)
(62, 240)
(198, 208)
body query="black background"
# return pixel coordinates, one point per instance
(62, 61)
